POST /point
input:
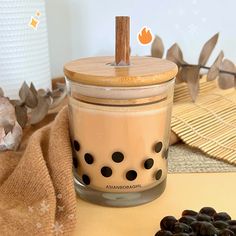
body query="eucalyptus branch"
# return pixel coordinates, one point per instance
(208, 68)
(222, 68)
(33, 105)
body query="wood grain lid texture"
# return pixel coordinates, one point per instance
(100, 71)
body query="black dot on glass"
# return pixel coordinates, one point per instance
(131, 175)
(158, 174)
(86, 179)
(158, 147)
(106, 171)
(117, 157)
(88, 158)
(75, 162)
(148, 164)
(76, 145)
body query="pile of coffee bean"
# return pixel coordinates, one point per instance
(206, 222)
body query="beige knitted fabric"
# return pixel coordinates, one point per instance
(37, 195)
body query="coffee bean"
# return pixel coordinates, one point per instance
(192, 234)
(163, 233)
(168, 223)
(221, 216)
(207, 229)
(181, 234)
(203, 217)
(205, 223)
(182, 228)
(231, 222)
(187, 220)
(219, 224)
(196, 226)
(226, 232)
(189, 213)
(208, 211)
(232, 228)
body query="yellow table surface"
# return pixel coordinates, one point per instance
(183, 191)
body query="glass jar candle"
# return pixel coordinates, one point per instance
(120, 126)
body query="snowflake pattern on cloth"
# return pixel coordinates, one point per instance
(30, 209)
(57, 228)
(38, 225)
(60, 208)
(59, 196)
(44, 207)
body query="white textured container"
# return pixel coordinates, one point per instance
(24, 52)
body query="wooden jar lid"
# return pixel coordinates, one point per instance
(100, 71)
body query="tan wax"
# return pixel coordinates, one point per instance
(133, 131)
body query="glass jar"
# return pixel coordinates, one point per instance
(120, 129)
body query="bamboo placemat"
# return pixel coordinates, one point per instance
(208, 124)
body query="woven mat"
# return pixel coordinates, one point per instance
(184, 159)
(209, 124)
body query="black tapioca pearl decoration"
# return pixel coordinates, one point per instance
(75, 162)
(148, 164)
(86, 179)
(158, 174)
(106, 171)
(88, 158)
(117, 157)
(131, 175)
(76, 145)
(158, 147)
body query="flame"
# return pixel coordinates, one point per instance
(145, 36)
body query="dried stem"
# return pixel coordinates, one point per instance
(207, 68)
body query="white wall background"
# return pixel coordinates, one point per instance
(81, 28)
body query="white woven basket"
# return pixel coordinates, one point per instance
(23, 50)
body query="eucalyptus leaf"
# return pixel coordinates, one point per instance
(1, 92)
(157, 49)
(175, 54)
(24, 90)
(21, 115)
(7, 126)
(179, 77)
(207, 49)
(31, 100)
(42, 93)
(27, 96)
(226, 80)
(12, 139)
(33, 89)
(190, 74)
(7, 114)
(56, 93)
(58, 100)
(214, 70)
(15, 102)
(39, 112)
(49, 93)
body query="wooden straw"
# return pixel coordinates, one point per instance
(122, 52)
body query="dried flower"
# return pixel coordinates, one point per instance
(10, 130)
(36, 103)
(31, 108)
